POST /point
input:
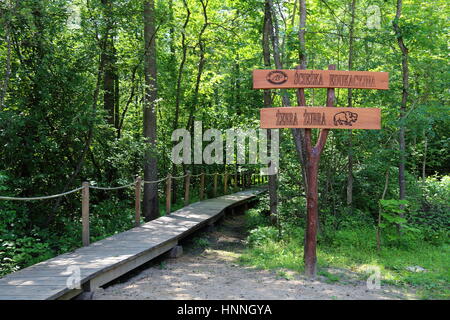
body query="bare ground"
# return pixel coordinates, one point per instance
(213, 273)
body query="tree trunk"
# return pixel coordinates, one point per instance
(110, 78)
(8, 65)
(405, 87)
(297, 134)
(312, 218)
(178, 87)
(150, 205)
(350, 104)
(201, 64)
(273, 201)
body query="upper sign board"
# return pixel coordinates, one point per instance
(273, 79)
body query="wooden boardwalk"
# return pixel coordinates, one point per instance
(108, 259)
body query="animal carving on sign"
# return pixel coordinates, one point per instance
(345, 118)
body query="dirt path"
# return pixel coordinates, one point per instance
(213, 273)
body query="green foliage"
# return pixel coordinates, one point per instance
(55, 129)
(200, 242)
(262, 235)
(255, 217)
(353, 246)
(394, 224)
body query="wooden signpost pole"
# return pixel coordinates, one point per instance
(312, 168)
(320, 118)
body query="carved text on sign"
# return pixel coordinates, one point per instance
(342, 80)
(286, 118)
(309, 79)
(314, 118)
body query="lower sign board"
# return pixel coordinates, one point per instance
(321, 117)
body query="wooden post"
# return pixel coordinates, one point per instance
(168, 193)
(187, 185)
(225, 183)
(202, 186)
(85, 213)
(215, 184)
(235, 180)
(137, 203)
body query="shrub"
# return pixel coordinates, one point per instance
(262, 235)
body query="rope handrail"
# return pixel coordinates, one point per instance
(196, 175)
(113, 188)
(180, 177)
(42, 197)
(160, 180)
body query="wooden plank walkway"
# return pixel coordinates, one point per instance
(108, 259)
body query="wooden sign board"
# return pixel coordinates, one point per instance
(321, 117)
(275, 79)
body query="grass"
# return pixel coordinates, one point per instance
(355, 250)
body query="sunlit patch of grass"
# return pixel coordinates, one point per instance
(350, 252)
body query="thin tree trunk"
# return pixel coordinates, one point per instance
(297, 134)
(179, 79)
(108, 56)
(350, 104)
(150, 205)
(273, 201)
(386, 184)
(424, 162)
(405, 87)
(8, 65)
(201, 64)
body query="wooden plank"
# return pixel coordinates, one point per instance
(321, 117)
(120, 270)
(275, 79)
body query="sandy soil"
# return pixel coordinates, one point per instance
(213, 273)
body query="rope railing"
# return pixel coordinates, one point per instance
(113, 188)
(246, 179)
(42, 197)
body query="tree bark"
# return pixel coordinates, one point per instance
(405, 87)
(350, 104)
(8, 65)
(178, 87)
(312, 218)
(150, 205)
(273, 200)
(201, 65)
(110, 78)
(297, 134)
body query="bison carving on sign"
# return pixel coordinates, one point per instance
(345, 118)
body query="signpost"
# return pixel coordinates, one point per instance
(323, 118)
